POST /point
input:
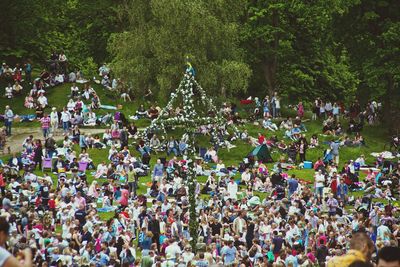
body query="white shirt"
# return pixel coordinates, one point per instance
(9, 90)
(62, 57)
(65, 116)
(60, 78)
(232, 190)
(71, 105)
(319, 180)
(277, 103)
(172, 250)
(4, 255)
(54, 116)
(42, 100)
(246, 177)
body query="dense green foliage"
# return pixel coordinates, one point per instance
(33, 29)
(160, 35)
(338, 49)
(370, 31)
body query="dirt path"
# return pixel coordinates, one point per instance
(20, 133)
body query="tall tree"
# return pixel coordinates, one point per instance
(370, 31)
(161, 34)
(33, 29)
(290, 44)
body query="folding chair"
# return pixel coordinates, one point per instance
(82, 166)
(47, 164)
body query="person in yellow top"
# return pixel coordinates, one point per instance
(361, 249)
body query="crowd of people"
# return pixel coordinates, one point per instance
(55, 197)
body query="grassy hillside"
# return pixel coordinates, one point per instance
(375, 136)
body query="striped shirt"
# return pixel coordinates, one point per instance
(45, 122)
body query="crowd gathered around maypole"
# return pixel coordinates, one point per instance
(62, 206)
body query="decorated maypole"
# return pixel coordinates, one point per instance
(197, 110)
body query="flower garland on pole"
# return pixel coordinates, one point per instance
(190, 119)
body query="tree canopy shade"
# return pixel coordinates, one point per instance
(291, 47)
(33, 29)
(370, 31)
(160, 34)
(336, 49)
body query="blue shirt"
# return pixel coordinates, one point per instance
(335, 148)
(293, 184)
(291, 259)
(335, 111)
(229, 253)
(9, 115)
(158, 170)
(342, 189)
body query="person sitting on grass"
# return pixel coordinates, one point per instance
(17, 88)
(338, 130)
(211, 155)
(314, 142)
(172, 146)
(268, 124)
(143, 148)
(84, 157)
(90, 118)
(359, 140)
(296, 132)
(9, 91)
(141, 112)
(286, 124)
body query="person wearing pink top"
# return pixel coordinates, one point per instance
(123, 201)
(79, 200)
(45, 121)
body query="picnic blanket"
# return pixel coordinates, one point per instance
(81, 81)
(108, 107)
(24, 118)
(384, 154)
(246, 101)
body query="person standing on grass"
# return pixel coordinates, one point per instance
(319, 184)
(54, 120)
(332, 205)
(8, 119)
(336, 111)
(38, 151)
(293, 184)
(300, 110)
(65, 119)
(302, 150)
(335, 151)
(28, 72)
(273, 104)
(342, 191)
(45, 121)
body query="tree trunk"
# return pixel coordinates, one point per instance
(270, 76)
(270, 65)
(223, 91)
(390, 114)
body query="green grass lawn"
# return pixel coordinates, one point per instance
(375, 136)
(58, 97)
